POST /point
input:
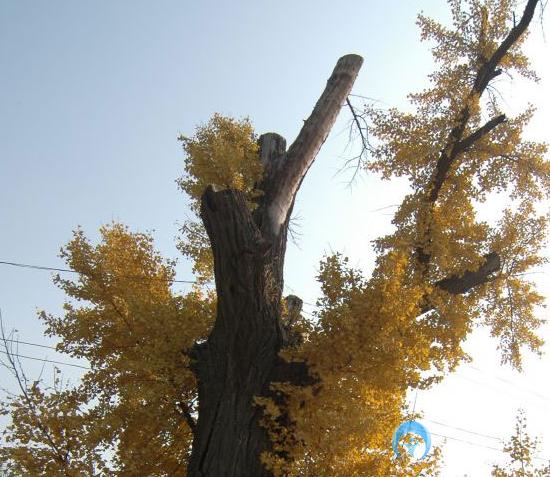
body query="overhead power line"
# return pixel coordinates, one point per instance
(28, 343)
(511, 383)
(516, 387)
(44, 360)
(461, 429)
(481, 445)
(466, 442)
(449, 426)
(68, 270)
(524, 389)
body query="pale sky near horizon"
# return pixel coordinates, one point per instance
(94, 94)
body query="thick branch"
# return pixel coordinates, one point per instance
(235, 240)
(445, 161)
(459, 284)
(489, 71)
(296, 373)
(284, 179)
(468, 142)
(455, 144)
(184, 410)
(486, 73)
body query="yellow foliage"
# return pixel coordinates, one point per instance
(373, 339)
(222, 153)
(372, 342)
(134, 331)
(521, 449)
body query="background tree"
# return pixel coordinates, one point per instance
(521, 449)
(236, 383)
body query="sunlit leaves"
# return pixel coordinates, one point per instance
(134, 331)
(222, 153)
(415, 144)
(371, 339)
(376, 337)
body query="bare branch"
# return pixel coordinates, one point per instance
(359, 126)
(361, 129)
(17, 370)
(282, 184)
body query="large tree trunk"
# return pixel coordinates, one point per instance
(240, 357)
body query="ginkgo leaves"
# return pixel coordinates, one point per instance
(521, 449)
(371, 339)
(467, 151)
(405, 326)
(222, 153)
(511, 301)
(137, 402)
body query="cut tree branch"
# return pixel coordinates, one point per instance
(283, 179)
(460, 284)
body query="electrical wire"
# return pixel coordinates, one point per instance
(481, 445)
(499, 391)
(449, 426)
(507, 381)
(28, 343)
(45, 360)
(526, 390)
(68, 270)
(461, 429)
(466, 442)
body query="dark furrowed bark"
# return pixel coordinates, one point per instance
(234, 364)
(240, 358)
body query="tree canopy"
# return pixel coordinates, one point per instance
(439, 274)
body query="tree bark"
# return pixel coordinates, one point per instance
(240, 357)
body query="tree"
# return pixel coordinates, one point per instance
(521, 449)
(237, 382)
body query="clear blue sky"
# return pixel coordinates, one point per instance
(94, 94)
